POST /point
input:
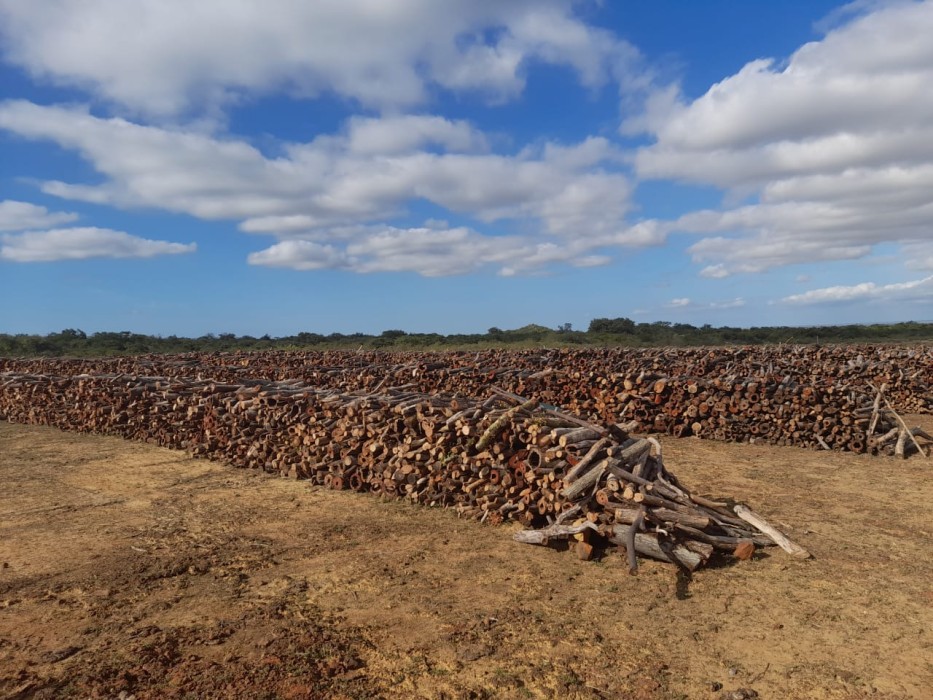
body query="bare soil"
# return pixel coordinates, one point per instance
(133, 571)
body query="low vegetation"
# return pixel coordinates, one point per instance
(601, 332)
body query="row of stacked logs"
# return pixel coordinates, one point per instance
(502, 458)
(805, 396)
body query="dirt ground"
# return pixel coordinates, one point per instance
(130, 571)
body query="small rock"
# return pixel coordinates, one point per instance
(740, 694)
(53, 657)
(472, 652)
(715, 686)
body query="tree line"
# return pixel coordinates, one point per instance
(601, 332)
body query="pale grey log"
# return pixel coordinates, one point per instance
(555, 531)
(780, 539)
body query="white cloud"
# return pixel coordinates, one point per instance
(591, 261)
(432, 252)
(766, 250)
(835, 146)
(81, 244)
(332, 202)
(21, 216)
(919, 255)
(736, 303)
(402, 134)
(685, 303)
(163, 57)
(325, 190)
(714, 271)
(300, 255)
(921, 289)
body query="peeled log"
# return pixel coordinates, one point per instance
(779, 538)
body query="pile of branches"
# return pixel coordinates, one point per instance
(888, 432)
(499, 459)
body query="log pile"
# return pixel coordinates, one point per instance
(888, 432)
(496, 459)
(804, 396)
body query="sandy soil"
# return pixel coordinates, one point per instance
(132, 571)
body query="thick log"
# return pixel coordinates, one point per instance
(672, 516)
(587, 482)
(649, 545)
(588, 460)
(545, 535)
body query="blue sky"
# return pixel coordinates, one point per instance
(234, 166)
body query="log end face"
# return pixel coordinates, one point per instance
(584, 551)
(744, 550)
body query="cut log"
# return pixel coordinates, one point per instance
(544, 535)
(648, 544)
(586, 483)
(779, 538)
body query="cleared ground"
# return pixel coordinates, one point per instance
(132, 569)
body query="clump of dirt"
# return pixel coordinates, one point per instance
(279, 646)
(287, 649)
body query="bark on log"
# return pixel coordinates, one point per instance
(648, 545)
(544, 535)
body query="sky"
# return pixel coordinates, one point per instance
(237, 166)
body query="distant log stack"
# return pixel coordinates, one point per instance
(806, 396)
(502, 458)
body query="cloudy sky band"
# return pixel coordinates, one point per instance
(822, 156)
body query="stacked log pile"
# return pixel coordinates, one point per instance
(502, 458)
(803, 396)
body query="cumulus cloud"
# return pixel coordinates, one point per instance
(432, 252)
(324, 190)
(685, 303)
(921, 289)
(300, 255)
(81, 244)
(919, 255)
(404, 133)
(21, 216)
(736, 303)
(834, 146)
(714, 272)
(336, 201)
(384, 55)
